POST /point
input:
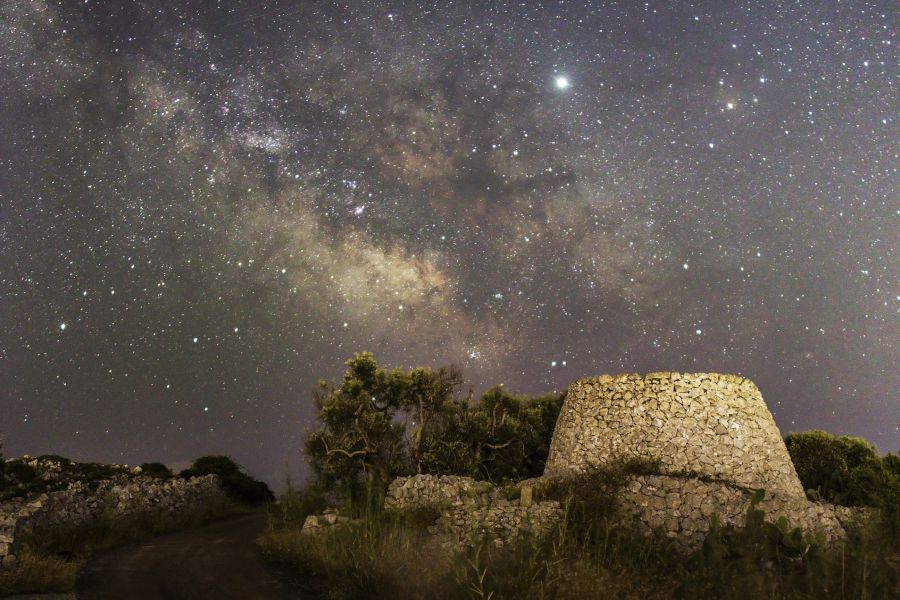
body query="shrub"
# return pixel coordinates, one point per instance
(156, 469)
(238, 484)
(835, 467)
(211, 465)
(385, 555)
(38, 573)
(22, 471)
(92, 474)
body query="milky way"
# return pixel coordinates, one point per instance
(205, 207)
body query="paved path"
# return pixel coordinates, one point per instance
(215, 562)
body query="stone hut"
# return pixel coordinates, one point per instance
(712, 434)
(705, 423)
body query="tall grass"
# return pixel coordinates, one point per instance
(378, 555)
(37, 573)
(593, 552)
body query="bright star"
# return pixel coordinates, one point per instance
(562, 82)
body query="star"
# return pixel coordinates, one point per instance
(482, 187)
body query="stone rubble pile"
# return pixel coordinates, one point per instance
(329, 518)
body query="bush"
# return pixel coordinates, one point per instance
(22, 471)
(841, 470)
(211, 465)
(385, 555)
(156, 469)
(238, 484)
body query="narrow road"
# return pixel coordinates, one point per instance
(215, 562)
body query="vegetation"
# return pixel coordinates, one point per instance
(236, 482)
(841, 469)
(38, 573)
(378, 424)
(49, 562)
(156, 469)
(593, 552)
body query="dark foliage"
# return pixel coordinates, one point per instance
(156, 469)
(380, 424)
(238, 484)
(21, 471)
(841, 469)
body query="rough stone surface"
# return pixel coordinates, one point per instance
(681, 507)
(438, 491)
(329, 518)
(81, 504)
(471, 511)
(712, 434)
(716, 425)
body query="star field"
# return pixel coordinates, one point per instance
(207, 206)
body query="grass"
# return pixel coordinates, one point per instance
(39, 573)
(593, 552)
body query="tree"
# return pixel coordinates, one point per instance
(429, 396)
(156, 469)
(501, 437)
(379, 424)
(238, 484)
(360, 440)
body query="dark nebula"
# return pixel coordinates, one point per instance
(207, 206)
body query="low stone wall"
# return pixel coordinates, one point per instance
(682, 507)
(439, 491)
(81, 505)
(500, 520)
(470, 510)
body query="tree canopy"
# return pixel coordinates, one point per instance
(379, 424)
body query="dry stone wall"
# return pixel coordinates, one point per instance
(712, 424)
(80, 505)
(471, 511)
(682, 508)
(712, 434)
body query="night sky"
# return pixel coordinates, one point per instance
(206, 207)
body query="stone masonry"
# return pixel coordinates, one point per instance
(79, 505)
(714, 439)
(682, 508)
(715, 425)
(470, 510)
